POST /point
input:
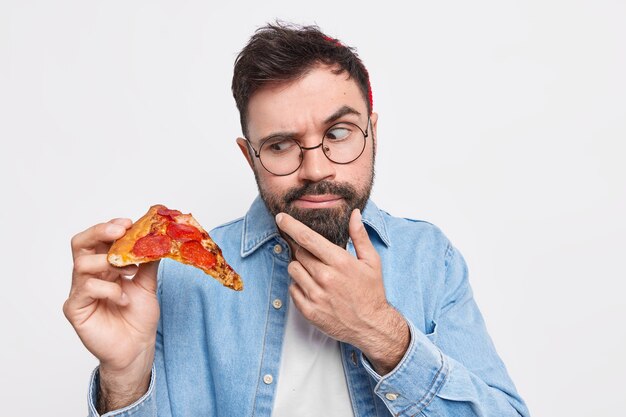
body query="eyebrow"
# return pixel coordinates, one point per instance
(342, 111)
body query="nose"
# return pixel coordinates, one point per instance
(315, 166)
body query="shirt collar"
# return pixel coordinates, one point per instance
(259, 225)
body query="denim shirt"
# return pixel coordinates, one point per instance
(218, 351)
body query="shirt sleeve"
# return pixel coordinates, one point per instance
(454, 370)
(143, 407)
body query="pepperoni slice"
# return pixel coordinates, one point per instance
(183, 232)
(164, 211)
(195, 253)
(152, 246)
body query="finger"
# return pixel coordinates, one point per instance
(122, 221)
(363, 246)
(95, 289)
(97, 265)
(88, 240)
(308, 261)
(300, 300)
(304, 280)
(304, 236)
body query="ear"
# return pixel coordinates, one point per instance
(374, 123)
(245, 150)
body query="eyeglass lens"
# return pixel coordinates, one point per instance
(342, 143)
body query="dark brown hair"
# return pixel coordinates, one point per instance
(282, 52)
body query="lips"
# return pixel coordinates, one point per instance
(318, 201)
(324, 194)
(320, 198)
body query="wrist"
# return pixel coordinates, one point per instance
(119, 388)
(386, 348)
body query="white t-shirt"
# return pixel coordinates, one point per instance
(311, 381)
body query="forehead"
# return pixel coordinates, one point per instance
(303, 103)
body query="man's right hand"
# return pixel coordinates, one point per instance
(115, 317)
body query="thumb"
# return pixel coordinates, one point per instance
(364, 248)
(147, 276)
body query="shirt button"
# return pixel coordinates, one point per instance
(353, 358)
(268, 379)
(277, 304)
(278, 249)
(391, 396)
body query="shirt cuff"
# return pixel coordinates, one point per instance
(144, 406)
(413, 383)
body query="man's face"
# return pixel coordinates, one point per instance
(321, 193)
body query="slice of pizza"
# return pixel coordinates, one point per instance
(165, 233)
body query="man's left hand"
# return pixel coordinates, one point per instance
(343, 295)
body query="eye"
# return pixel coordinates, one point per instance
(338, 133)
(279, 145)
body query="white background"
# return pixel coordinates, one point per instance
(503, 122)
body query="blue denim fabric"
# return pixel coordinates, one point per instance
(214, 346)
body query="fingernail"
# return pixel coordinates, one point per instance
(130, 269)
(115, 229)
(124, 298)
(279, 217)
(129, 274)
(358, 214)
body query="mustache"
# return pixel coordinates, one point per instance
(343, 190)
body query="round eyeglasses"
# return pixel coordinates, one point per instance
(342, 143)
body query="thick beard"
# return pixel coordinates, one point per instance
(332, 223)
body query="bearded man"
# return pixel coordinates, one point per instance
(347, 311)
